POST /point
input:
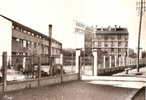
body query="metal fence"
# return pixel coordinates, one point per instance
(69, 64)
(23, 67)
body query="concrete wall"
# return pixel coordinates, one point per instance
(43, 82)
(6, 37)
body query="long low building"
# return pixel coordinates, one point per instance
(21, 41)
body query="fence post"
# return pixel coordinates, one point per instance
(61, 65)
(39, 72)
(120, 61)
(115, 61)
(110, 61)
(77, 60)
(104, 62)
(4, 65)
(123, 58)
(77, 70)
(95, 62)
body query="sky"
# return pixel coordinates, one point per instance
(38, 14)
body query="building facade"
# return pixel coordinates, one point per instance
(113, 41)
(24, 41)
(88, 44)
(111, 44)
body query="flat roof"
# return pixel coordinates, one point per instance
(112, 31)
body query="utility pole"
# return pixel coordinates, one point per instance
(141, 7)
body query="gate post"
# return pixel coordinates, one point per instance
(115, 61)
(104, 60)
(78, 52)
(120, 61)
(39, 70)
(95, 62)
(61, 65)
(4, 65)
(110, 61)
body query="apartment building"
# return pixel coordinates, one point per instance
(113, 41)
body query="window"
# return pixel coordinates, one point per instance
(112, 44)
(112, 37)
(28, 42)
(105, 37)
(112, 50)
(17, 40)
(120, 44)
(32, 34)
(24, 43)
(119, 37)
(17, 28)
(24, 31)
(126, 38)
(99, 44)
(28, 33)
(105, 44)
(13, 27)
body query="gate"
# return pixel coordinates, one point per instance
(86, 63)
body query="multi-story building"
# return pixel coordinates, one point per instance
(20, 40)
(113, 41)
(89, 32)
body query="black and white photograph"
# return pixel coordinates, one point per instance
(72, 50)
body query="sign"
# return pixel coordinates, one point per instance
(79, 27)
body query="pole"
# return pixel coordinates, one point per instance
(139, 34)
(61, 65)
(4, 71)
(125, 59)
(39, 72)
(84, 62)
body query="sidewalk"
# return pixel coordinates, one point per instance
(122, 79)
(117, 81)
(113, 78)
(132, 73)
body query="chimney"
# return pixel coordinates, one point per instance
(50, 30)
(109, 28)
(115, 27)
(119, 27)
(101, 28)
(96, 26)
(50, 42)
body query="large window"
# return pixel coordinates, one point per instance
(105, 44)
(99, 44)
(105, 37)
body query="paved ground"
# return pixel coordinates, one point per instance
(114, 87)
(76, 90)
(133, 73)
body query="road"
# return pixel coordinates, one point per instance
(76, 90)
